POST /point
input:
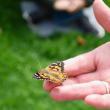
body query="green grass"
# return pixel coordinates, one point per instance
(23, 53)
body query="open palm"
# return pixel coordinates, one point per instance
(86, 76)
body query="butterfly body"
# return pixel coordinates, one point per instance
(53, 73)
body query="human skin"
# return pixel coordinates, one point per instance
(87, 72)
(69, 5)
(102, 13)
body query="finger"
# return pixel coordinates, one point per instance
(48, 86)
(99, 101)
(100, 6)
(84, 63)
(78, 91)
(83, 78)
(98, 75)
(87, 77)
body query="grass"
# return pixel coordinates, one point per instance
(22, 53)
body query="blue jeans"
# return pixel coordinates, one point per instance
(64, 18)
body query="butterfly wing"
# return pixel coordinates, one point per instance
(41, 75)
(37, 76)
(58, 67)
(54, 73)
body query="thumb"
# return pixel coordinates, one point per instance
(101, 9)
(81, 64)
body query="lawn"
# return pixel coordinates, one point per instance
(22, 53)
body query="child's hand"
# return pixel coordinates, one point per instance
(69, 5)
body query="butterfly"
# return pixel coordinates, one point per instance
(53, 73)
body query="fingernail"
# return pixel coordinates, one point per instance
(62, 4)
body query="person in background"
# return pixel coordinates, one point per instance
(46, 17)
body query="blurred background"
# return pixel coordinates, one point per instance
(22, 53)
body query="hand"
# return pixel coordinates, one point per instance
(86, 76)
(69, 5)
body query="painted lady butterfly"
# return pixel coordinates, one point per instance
(53, 73)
